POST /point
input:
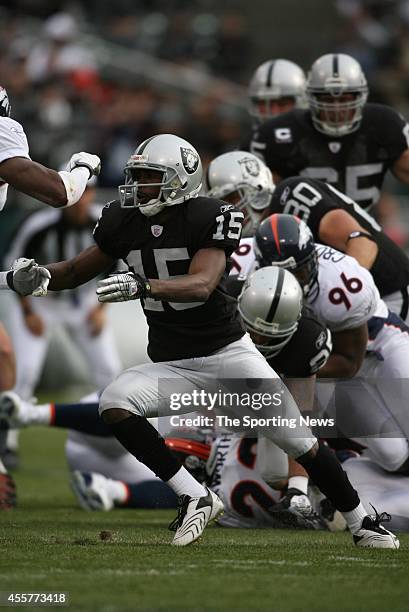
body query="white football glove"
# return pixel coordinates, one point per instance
(122, 288)
(28, 278)
(85, 160)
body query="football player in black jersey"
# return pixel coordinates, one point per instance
(175, 244)
(276, 86)
(289, 329)
(340, 139)
(336, 220)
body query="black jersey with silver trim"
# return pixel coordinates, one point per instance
(356, 163)
(163, 246)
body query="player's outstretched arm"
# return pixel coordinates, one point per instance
(340, 230)
(349, 348)
(58, 189)
(79, 270)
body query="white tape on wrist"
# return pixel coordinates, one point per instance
(75, 183)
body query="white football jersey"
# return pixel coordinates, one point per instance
(13, 143)
(243, 259)
(347, 294)
(235, 478)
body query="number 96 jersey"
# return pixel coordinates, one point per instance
(347, 296)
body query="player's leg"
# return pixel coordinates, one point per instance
(320, 463)
(80, 416)
(97, 492)
(136, 394)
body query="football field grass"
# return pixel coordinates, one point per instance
(122, 560)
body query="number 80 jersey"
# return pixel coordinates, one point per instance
(347, 296)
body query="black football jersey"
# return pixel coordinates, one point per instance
(154, 250)
(307, 351)
(311, 200)
(356, 163)
(309, 348)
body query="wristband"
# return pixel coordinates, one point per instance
(9, 279)
(353, 235)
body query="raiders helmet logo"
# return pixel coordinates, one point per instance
(190, 160)
(156, 230)
(249, 166)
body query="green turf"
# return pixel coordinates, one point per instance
(49, 544)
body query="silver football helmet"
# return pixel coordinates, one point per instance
(181, 170)
(244, 180)
(273, 80)
(270, 304)
(5, 107)
(331, 76)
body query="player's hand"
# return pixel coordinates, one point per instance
(85, 160)
(28, 278)
(122, 288)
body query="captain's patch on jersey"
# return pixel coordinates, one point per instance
(283, 135)
(190, 160)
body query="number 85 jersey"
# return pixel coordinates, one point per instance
(347, 296)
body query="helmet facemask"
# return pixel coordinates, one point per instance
(274, 338)
(336, 117)
(168, 187)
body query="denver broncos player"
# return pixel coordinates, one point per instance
(336, 220)
(369, 342)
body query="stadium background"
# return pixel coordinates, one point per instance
(101, 77)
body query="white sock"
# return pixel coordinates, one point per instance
(35, 414)
(355, 517)
(117, 490)
(183, 483)
(298, 482)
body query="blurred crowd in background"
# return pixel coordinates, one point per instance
(102, 77)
